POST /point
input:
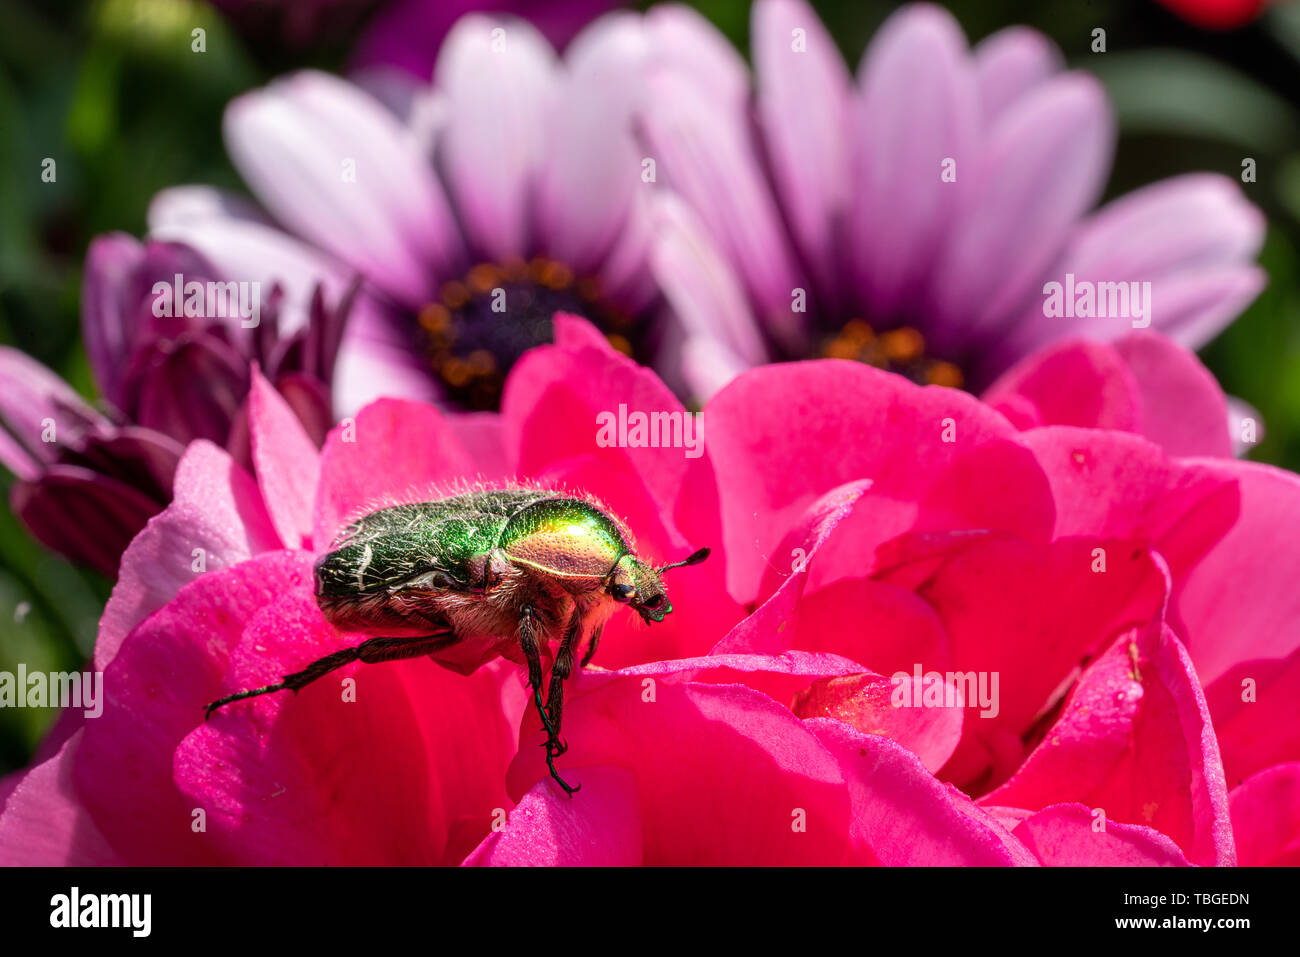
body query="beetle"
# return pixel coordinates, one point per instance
(531, 565)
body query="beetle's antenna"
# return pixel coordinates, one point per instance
(693, 559)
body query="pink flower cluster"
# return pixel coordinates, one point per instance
(925, 636)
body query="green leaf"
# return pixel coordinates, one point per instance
(1176, 92)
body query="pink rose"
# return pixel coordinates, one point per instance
(862, 527)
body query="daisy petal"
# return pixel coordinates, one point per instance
(1044, 164)
(1011, 63)
(705, 294)
(499, 79)
(703, 152)
(585, 191)
(338, 168)
(916, 113)
(802, 104)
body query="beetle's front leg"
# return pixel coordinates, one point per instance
(531, 644)
(532, 648)
(561, 671)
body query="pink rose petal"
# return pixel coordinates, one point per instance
(1141, 748)
(1067, 835)
(1240, 602)
(167, 669)
(903, 816)
(216, 519)
(398, 751)
(1266, 817)
(43, 824)
(1027, 616)
(393, 451)
(892, 708)
(769, 433)
(1142, 383)
(1256, 710)
(1119, 485)
(724, 774)
(286, 461)
(549, 829)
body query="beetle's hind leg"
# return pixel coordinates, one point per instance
(372, 651)
(531, 644)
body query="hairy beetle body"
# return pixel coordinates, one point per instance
(469, 562)
(503, 571)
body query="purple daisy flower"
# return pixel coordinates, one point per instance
(914, 217)
(83, 485)
(475, 207)
(512, 179)
(170, 370)
(181, 369)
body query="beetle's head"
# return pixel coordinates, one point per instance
(641, 586)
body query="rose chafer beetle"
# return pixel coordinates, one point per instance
(532, 565)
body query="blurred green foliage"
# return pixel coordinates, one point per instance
(112, 91)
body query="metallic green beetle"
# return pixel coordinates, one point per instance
(534, 563)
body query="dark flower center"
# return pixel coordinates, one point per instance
(481, 324)
(900, 350)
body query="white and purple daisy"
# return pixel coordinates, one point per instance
(912, 217)
(475, 207)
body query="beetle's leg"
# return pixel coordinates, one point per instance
(550, 763)
(591, 648)
(532, 654)
(555, 693)
(372, 651)
(532, 649)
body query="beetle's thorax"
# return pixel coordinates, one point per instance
(516, 586)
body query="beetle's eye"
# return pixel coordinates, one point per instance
(623, 592)
(656, 602)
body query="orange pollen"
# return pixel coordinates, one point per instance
(900, 350)
(479, 325)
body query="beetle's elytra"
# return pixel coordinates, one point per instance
(536, 564)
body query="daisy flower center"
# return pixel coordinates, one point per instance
(900, 350)
(481, 324)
